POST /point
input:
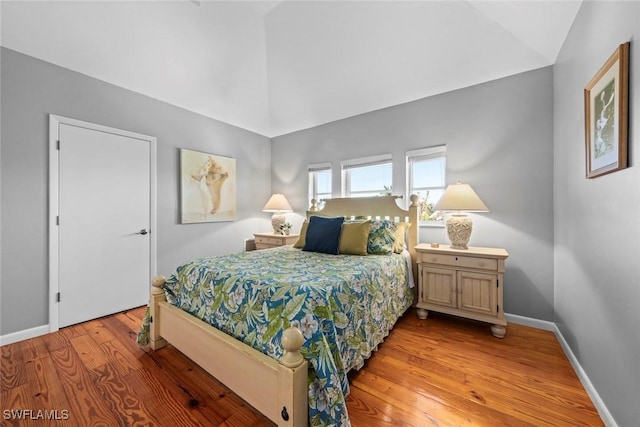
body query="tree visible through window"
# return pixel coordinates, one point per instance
(427, 177)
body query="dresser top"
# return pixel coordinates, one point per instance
(472, 251)
(272, 234)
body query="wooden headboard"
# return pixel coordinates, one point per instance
(379, 207)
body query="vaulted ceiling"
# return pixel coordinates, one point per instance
(274, 67)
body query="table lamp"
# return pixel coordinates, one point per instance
(460, 198)
(278, 205)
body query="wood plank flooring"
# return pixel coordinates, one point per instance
(440, 372)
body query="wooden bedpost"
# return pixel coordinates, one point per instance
(157, 295)
(292, 340)
(414, 232)
(292, 381)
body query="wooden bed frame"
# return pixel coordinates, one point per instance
(277, 389)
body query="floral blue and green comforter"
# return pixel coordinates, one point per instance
(345, 305)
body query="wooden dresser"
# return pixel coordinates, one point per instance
(467, 283)
(271, 240)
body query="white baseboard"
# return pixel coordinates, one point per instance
(604, 413)
(528, 321)
(24, 335)
(606, 416)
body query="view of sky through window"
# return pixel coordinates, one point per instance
(371, 180)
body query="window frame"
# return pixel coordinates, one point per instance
(348, 165)
(423, 154)
(313, 193)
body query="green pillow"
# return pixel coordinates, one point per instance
(401, 230)
(303, 235)
(354, 238)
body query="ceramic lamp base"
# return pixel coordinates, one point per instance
(459, 228)
(277, 220)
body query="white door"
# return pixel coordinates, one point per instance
(104, 223)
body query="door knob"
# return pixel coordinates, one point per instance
(143, 232)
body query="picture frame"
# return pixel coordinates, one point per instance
(606, 102)
(207, 187)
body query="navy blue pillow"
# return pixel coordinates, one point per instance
(323, 235)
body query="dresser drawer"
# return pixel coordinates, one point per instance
(460, 261)
(269, 240)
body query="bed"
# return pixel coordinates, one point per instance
(282, 327)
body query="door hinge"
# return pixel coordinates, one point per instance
(150, 319)
(497, 283)
(57, 144)
(57, 219)
(498, 308)
(58, 297)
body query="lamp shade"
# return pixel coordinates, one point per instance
(277, 203)
(460, 197)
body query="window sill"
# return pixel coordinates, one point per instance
(432, 224)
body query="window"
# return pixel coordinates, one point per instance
(370, 176)
(320, 183)
(427, 178)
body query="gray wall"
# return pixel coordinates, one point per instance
(597, 231)
(519, 141)
(31, 89)
(499, 138)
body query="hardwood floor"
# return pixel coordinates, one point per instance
(442, 372)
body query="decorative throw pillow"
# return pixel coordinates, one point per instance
(381, 237)
(303, 234)
(323, 235)
(354, 238)
(401, 230)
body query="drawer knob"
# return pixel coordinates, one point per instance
(434, 259)
(481, 264)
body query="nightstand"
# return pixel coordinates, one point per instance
(466, 283)
(271, 240)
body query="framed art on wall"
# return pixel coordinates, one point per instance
(606, 99)
(207, 187)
